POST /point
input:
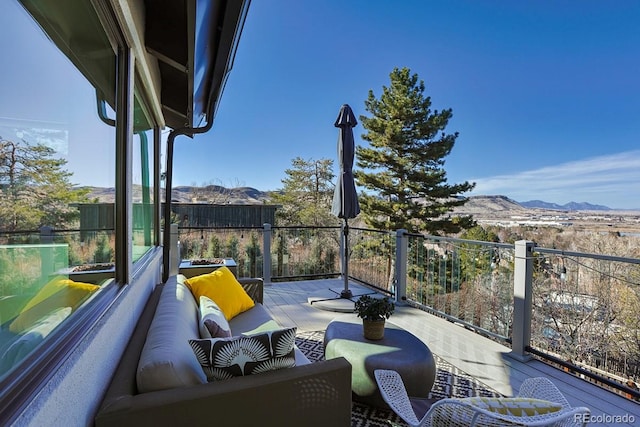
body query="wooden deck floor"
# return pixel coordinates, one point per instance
(487, 361)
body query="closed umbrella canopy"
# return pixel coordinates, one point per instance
(345, 199)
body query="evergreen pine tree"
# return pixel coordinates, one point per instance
(307, 194)
(35, 189)
(402, 169)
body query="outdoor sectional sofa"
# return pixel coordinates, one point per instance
(176, 391)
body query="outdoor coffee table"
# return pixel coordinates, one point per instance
(399, 350)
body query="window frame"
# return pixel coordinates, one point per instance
(27, 378)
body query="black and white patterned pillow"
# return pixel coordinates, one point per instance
(225, 358)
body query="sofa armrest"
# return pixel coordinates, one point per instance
(317, 394)
(254, 286)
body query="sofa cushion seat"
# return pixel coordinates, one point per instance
(253, 321)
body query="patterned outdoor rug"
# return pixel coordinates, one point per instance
(450, 382)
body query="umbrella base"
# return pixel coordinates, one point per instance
(339, 303)
(346, 294)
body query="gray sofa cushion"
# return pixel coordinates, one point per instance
(167, 360)
(253, 321)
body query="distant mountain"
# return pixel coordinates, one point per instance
(217, 194)
(101, 194)
(571, 206)
(189, 194)
(488, 204)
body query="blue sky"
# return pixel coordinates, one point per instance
(545, 94)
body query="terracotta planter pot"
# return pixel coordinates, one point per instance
(373, 329)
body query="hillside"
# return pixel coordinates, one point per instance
(488, 205)
(571, 206)
(479, 206)
(189, 194)
(502, 211)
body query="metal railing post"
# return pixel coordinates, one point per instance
(174, 253)
(522, 299)
(266, 257)
(400, 282)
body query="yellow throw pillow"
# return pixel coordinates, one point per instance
(222, 287)
(59, 292)
(514, 406)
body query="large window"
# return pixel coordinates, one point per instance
(58, 172)
(85, 88)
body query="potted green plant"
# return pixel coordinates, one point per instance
(374, 311)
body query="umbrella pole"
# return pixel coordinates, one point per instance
(346, 293)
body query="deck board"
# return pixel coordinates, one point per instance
(487, 361)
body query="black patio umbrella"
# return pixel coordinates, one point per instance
(345, 199)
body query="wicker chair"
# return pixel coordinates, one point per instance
(461, 412)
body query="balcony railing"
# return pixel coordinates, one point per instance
(276, 254)
(575, 310)
(466, 281)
